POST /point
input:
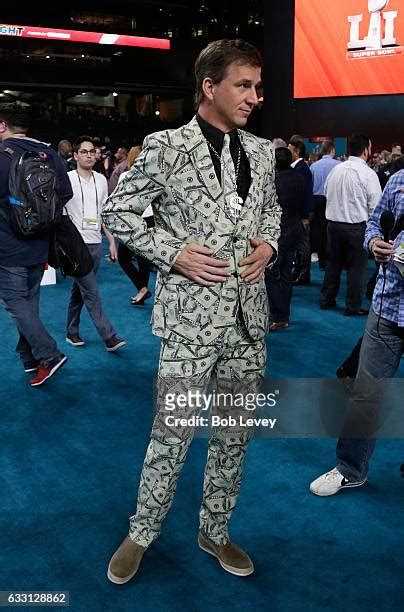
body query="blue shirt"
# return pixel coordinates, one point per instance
(320, 170)
(392, 304)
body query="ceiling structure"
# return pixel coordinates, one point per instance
(188, 24)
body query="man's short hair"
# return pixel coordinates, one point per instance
(297, 141)
(396, 144)
(357, 144)
(327, 147)
(214, 60)
(17, 120)
(398, 164)
(62, 143)
(77, 143)
(283, 157)
(278, 142)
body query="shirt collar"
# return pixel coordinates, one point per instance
(214, 135)
(356, 159)
(294, 164)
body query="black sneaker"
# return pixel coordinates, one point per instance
(31, 366)
(74, 340)
(362, 312)
(328, 306)
(114, 343)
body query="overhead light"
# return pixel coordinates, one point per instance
(83, 56)
(83, 93)
(114, 93)
(157, 112)
(6, 91)
(28, 56)
(47, 56)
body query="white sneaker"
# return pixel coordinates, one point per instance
(332, 482)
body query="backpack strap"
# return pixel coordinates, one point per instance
(4, 148)
(7, 150)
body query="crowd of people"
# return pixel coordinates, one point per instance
(231, 221)
(325, 208)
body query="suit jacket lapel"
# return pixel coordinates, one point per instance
(198, 150)
(253, 153)
(195, 145)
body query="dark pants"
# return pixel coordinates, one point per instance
(303, 257)
(345, 250)
(19, 292)
(85, 292)
(319, 230)
(351, 363)
(140, 276)
(279, 285)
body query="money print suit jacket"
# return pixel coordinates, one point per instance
(175, 174)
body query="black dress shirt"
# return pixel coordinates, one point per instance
(216, 138)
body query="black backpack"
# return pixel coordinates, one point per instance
(35, 203)
(67, 249)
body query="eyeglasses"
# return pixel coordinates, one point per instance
(85, 152)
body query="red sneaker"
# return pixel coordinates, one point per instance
(45, 372)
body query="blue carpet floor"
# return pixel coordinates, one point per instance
(71, 454)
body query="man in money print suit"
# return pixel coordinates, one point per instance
(211, 187)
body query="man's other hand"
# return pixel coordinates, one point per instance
(196, 263)
(257, 261)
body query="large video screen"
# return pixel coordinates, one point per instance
(348, 48)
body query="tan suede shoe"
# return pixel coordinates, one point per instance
(230, 556)
(125, 561)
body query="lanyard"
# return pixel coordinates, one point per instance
(82, 195)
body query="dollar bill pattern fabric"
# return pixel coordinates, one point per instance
(236, 365)
(214, 331)
(175, 174)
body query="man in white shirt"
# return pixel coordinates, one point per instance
(90, 191)
(352, 190)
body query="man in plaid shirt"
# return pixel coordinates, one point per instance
(381, 351)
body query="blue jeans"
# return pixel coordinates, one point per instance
(379, 359)
(85, 292)
(19, 293)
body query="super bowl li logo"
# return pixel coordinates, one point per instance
(380, 39)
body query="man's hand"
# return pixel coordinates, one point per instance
(257, 261)
(113, 252)
(196, 262)
(383, 251)
(305, 222)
